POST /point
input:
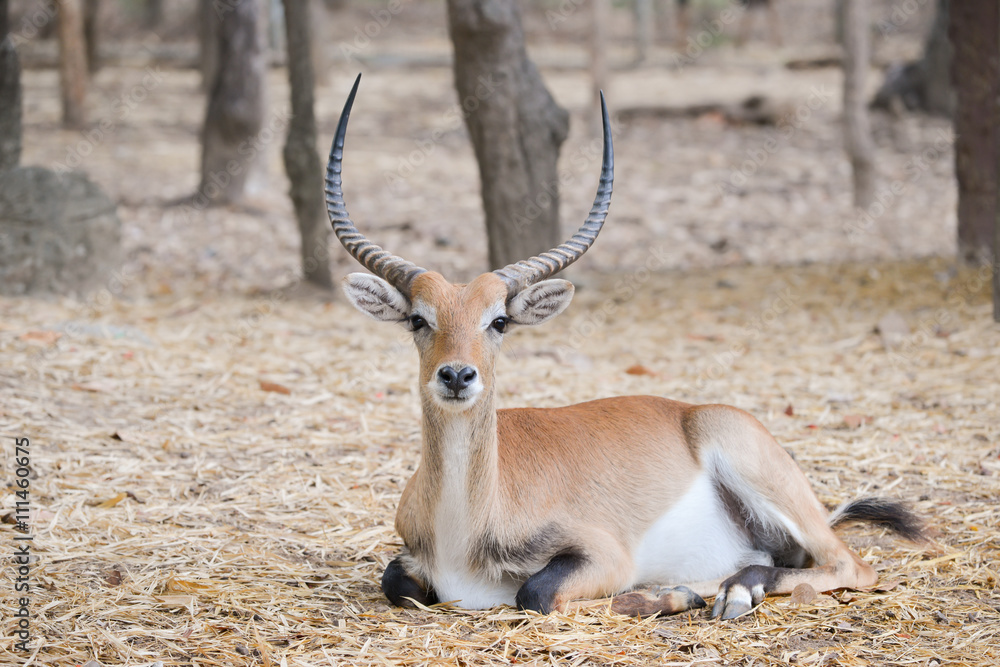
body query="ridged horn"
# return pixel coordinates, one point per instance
(526, 272)
(396, 270)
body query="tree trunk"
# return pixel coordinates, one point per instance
(72, 64)
(857, 129)
(208, 42)
(305, 171)
(10, 96)
(152, 14)
(923, 85)
(996, 242)
(601, 12)
(975, 32)
(515, 125)
(235, 106)
(643, 29)
(91, 34)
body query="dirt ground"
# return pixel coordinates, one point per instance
(216, 466)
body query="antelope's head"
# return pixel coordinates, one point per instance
(458, 329)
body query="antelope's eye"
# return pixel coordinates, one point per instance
(417, 323)
(499, 324)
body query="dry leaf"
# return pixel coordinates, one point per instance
(892, 328)
(276, 388)
(183, 601)
(96, 386)
(790, 411)
(639, 369)
(113, 578)
(41, 337)
(175, 585)
(111, 502)
(855, 421)
(886, 586)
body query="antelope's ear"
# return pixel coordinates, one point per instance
(376, 298)
(540, 302)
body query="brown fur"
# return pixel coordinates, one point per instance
(591, 477)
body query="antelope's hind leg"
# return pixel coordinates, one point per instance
(401, 587)
(771, 496)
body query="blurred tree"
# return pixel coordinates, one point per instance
(72, 64)
(10, 96)
(683, 16)
(925, 84)
(857, 128)
(305, 171)
(750, 7)
(600, 14)
(152, 14)
(235, 113)
(91, 33)
(208, 42)
(974, 29)
(515, 125)
(644, 26)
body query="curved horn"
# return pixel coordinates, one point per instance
(396, 270)
(529, 271)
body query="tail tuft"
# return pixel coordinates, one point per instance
(891, 514)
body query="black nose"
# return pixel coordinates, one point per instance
(456, 381)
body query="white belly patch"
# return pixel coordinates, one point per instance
(695, 540)
(452, 578)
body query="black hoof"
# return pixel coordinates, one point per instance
(402, 589)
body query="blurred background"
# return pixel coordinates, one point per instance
(728, 118)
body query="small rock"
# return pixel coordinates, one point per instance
(856, 421)
(803, 594)
(892, 328)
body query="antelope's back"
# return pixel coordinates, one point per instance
(626, 458)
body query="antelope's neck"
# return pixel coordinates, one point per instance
(460, 452)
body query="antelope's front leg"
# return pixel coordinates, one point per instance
(402, 588)
(575, 578)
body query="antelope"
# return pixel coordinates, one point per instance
(653, 503)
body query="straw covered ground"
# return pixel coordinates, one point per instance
(215, 478)
(216, 459)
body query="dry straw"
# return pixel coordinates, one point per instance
(208, 493)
